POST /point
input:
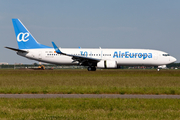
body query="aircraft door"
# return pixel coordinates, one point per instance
(40, 55)
(101, 54)
(155, 56)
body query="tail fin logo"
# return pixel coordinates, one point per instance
(23, 37)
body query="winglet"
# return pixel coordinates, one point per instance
(56, 48)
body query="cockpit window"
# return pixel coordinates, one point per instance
(165, 54)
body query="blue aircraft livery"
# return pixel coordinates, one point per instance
(92, 58)
(127, 54)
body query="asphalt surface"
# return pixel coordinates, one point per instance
(88, 96)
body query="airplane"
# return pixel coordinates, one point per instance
(92, 58)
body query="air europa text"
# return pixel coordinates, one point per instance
(127, 54)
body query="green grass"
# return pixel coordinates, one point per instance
(102, 109)
(82, 81)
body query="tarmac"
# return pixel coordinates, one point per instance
(89, 96)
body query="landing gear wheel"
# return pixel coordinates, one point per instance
(91, 68)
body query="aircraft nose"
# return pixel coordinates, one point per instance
(173, 59)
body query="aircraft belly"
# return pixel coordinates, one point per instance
(59, 60)
(134, 61)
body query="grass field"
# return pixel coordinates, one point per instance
(90, 109)
(82, 81)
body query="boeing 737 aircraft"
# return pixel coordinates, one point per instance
(93, 58)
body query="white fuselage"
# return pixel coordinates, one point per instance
(121, 56)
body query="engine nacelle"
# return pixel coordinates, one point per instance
(162, 67)
(107, 64)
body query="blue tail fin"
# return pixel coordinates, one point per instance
(24, 38)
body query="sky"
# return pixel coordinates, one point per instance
(146, 24)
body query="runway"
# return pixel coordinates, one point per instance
(88, 96)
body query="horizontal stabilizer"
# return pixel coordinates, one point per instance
(18, 50)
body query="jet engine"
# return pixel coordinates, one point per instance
(107, 64)
(162, 67)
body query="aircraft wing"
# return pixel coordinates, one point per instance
(80, 59)
(18, 50)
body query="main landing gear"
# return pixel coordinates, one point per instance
(91, 68)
